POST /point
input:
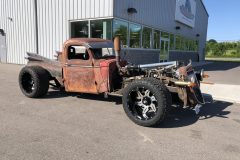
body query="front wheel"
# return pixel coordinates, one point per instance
(146, 102)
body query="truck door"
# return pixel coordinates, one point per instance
(78, 71)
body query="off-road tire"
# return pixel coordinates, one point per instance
(166, 91)
(161, 94)
(39, 80)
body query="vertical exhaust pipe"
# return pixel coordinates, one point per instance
(117, 49)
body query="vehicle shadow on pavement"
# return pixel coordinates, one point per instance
(116, 100)
(218, 66)
(54, 94)
(179, 117)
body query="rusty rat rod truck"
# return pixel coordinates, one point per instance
(92, 66)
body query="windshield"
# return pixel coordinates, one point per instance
(101, 53)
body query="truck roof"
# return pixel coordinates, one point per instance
(90, 42)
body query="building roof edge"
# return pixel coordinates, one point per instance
(204, 7)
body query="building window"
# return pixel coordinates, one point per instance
(146, 37)
(183, 44)
(135, 35)
(120, 28)
(79, 29)
(196, 45)
(172, 47)
(178, 43)
(156, 39)
(164, 35)
(101, 29)
(191, 45)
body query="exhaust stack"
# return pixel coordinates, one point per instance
(117, 49)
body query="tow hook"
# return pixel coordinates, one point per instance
(197, 108)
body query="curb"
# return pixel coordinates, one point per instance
(223, 92)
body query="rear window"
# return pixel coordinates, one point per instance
(78, 52)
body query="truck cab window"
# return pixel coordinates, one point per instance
(78, 52)
(100, 53)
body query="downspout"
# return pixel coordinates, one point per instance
(36, 24)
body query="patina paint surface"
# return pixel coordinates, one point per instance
(86, 76)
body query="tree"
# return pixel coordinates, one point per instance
(222, 48)
(212, 41)
(238, 47)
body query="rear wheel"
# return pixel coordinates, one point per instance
(146, 102)
(34, 81)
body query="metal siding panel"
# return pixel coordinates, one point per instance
(64, 24)
(79, 6)
(71, 10)
(88, 9)
(13, 24)
(92, 4)
(67, 20)
(75, 9)
(83, 8)
(18, 31)
(60, 25)
(51, 29)
(53, 23)
(97, 8)
(40, 26)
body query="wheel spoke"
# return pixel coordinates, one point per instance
(139, 103)
(147, 93)
(140, 96)
(153, 107)
(153, 99)
(144, 112)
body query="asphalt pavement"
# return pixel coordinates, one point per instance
(80, 127)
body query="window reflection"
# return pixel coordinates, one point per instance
(156, 43)
(79, 29)
(101, 29)
(120, 28)
(146, 37)
(135, 35)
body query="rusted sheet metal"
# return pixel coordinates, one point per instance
(90, 42)
(52, 66)
(107, 67)
(79, 78)
(77, 75)
(89, 76)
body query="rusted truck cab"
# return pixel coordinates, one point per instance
(88, 65)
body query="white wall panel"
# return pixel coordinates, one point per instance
(53, 23)
(54, 17)
(17, 19)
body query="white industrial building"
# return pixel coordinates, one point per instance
(150, 30)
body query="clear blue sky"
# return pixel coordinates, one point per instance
(224, 20)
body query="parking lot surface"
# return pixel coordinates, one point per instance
(222, 72)
(223, 83)
(77, 126)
